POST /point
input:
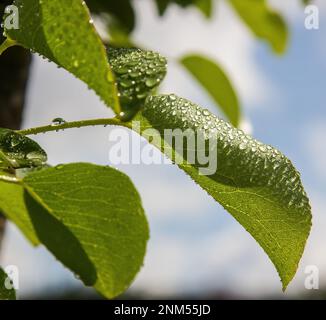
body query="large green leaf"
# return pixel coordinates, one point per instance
(254, 182)
(5, 294)
(63, 32)
(138, 74)
(263, 22)
(217, 84)
(12, 203)
(90, 217)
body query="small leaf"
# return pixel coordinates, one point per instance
(263, 22)
(254, 182)
(18, 151)
(205, 6)
(91, 218)
(162, 5)
(216, 83)
(121, 11)
(138, 74)
(5, 294)
(62, 31)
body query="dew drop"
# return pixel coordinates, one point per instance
(126, 83)
(151, 82)
(242, 146)
(57, 122)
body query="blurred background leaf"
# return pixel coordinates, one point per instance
(119, 17)
(263, 22)
(205, 6)
(121, 11)
(215, 81)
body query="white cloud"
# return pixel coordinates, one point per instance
(164, 269)
(228, 260)
(314, 253)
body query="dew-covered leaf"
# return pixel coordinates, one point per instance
(18, 151)
(63, 32)
(263, 22)
(5, 293)
(138, 73)
(254, 182)
(216, 83)
(91, 218)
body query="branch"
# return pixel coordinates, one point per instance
(76, 124)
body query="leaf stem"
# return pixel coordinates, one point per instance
(75, 124)
(7, 44)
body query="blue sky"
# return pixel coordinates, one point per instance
(195, 245)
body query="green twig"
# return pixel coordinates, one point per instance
(76, 124)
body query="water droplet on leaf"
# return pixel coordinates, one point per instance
(57, 122)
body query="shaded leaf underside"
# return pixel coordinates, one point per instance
(90, 217)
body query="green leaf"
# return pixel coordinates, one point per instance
(254, 182)
(121, 11)
(162, 5)
(18, 151)
(5, 294)
(91, 218)
(62, 31)
(263, 22)
(205, 6)
(216, 83)
(12, 204)
(138, 74)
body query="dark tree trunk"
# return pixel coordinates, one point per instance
(14, 70)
